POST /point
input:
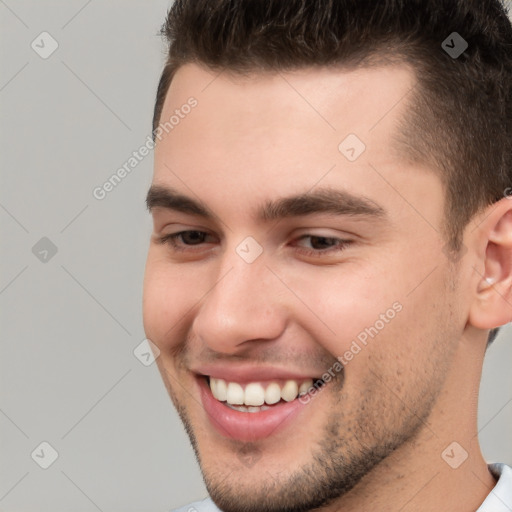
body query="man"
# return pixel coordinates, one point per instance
(332, 248)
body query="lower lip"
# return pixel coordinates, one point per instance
(247, 426)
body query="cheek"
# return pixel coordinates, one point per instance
(167, 297)
(347, 304)
(358, 312)
(412, 351)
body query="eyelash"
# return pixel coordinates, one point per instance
(172, 239)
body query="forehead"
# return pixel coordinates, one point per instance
(248, 136)
(330, 99)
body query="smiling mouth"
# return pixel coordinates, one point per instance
(254, 397)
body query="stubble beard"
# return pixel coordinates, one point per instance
(345, 451)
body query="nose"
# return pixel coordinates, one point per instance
(244, 305)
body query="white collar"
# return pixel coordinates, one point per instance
(500, 498)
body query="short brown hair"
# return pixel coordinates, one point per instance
(459, 119)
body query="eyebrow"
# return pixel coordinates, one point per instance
(320, 200)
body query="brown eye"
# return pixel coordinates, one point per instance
(180, 241)
(322, 242)
(192, 237)
(321, 245)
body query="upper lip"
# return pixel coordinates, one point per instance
(250, 373)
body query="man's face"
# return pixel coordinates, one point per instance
(265, 294)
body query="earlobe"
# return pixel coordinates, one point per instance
(492, 306)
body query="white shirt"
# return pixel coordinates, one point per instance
(498, 500)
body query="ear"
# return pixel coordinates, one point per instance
(492, 305)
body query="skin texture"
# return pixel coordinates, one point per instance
(374, 437)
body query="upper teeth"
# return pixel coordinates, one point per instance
(255, 394)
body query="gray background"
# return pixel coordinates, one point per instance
(70, 324)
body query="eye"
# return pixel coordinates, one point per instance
(318, 245)
(321, 245)
(179, 241)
